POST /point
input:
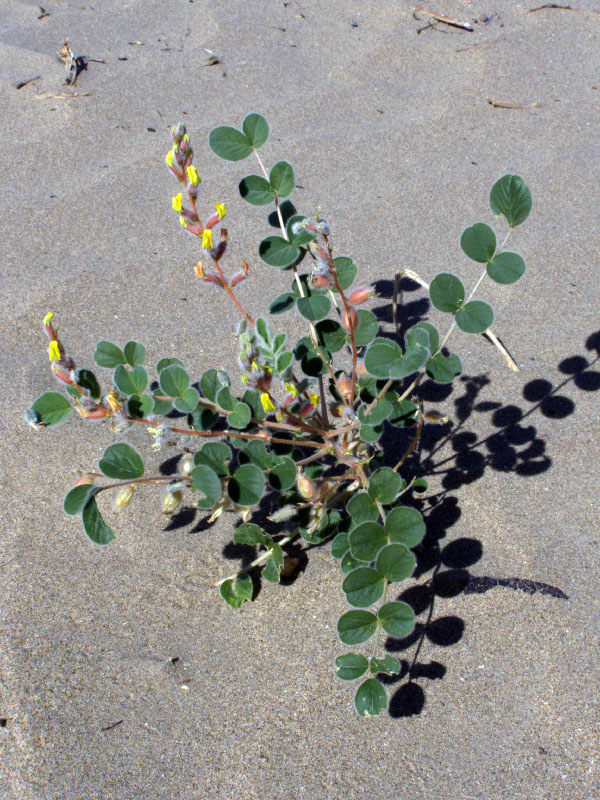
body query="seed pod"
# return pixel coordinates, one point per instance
(336, 409)
(171, 501)
(361, 295)
(344, 386)
(306, 488)
(361, 369)
(322, 281)
(307, 408)
(83, 480)
(350, 322)
(435, 416)
(125, 496)
(186, 464)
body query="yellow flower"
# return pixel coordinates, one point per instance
(192, 174)
(54, 351)
(176, 203)
(113, 401)
(207, 242)
(291, 389)
(267, 403)
(254, 366)
(245, 380)
(182, 221)
(170, 158)
(221, 210)
(267, 370)
(314, 399)
(48, 318)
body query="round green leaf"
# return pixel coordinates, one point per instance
(247, 485)
(130, 381)
(256, 129)
(256, 190)
(140, 405)
(511, 196)
(210, 383)
(93, 524)
(446, 292)
(160, 407)
(331, 335)
(77, 498)
(315, 307)
(370, 433)
(506, 268)
(351, 666)
(87, 380)
(166, 362)
(367, 327)
(108, 355)
(240, 417)
(188, 401)
(381, 410)
(475, 317)
(282, 178)
(479, 242)
(202, 419)
(395, 562)
(51, 408)
(348, 563)
(397, 618)
(206, 480)
(236, 591)
(384, 485)
(174, 380)
(277, 252)
(256, 452)
(135, 353)
(404, 413)
(122, 462)
(250, 534)
(283, 475)
(340, 545)
(388, 665)
(282, 303)
(346, 270)
(432, 333)
(370, 699)
(419, 485)
(366, 540)
(361, 508)
(380, 355)
(355, 627)
(229, 143)
(214, 455)
(363, 586)
(444, 369)
(405, 525)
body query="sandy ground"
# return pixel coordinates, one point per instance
(123, 675)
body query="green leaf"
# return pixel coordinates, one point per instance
(256, 129)
(367, 327)
(362, 509)
(475, 317)
(370, 433)
(160, 407)
(130, 381)
(214, 455)
(419, 485)
(225, 399)
(282, 178)
(380, 355)
(363, 586)
(506, 268)
(87, 380)
(511, 196)
(188, 401)
(346, 270)
(277, 252)
(122, 462)
(93, 524)
(340, 545)
(206, 480)
(405, 525)
(135, 353)
(397, 618)
(303, 237)
(370, 699)
(247, 485)
(256, 190)
(202, 419)
(51, 408)
(432, 333)
(256, 452)
(174, 380)
(381, 410)
(108, 355)
(167, 362)
(251, 534)
(210, 383)
(446, 292)
(284, 302)
(479, 242)
(240, 417)
(444, 369)
(404, 413)
(348, 563)
(351, 666)
(229, 143)
(388, 665)
(384, 485)
(283, 363)
(263, 330)
(271, 571)
(366, 540)
(283, 475)
(315, 307)
(331, 335)
(235, 591)
(77, 498)
(355, 627)
(395, 562)
(140, 405)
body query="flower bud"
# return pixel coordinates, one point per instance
(350, 322)
(207, 242)
(186, 464)
(306, 488)
(178, 132)
(307, 409)
(336, 409)
(344, 387)
(322, 228)
(192, 175)
(322, 281)
(237, 278)
(361, 369)
(198, 271)
(171, 501)
(125, 496)
(361, 295)
(84, 480)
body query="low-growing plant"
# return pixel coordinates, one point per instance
(303, 429)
